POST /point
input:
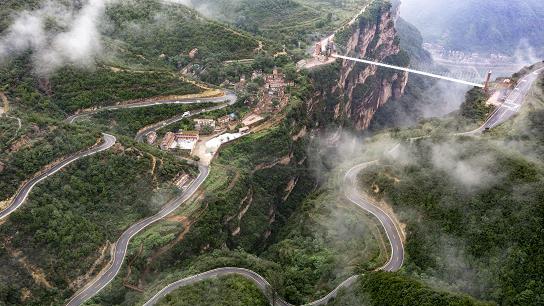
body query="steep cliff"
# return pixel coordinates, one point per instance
(362, 89)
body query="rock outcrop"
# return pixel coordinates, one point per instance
(362, 89)
(366, 87)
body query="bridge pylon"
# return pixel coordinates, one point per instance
(487, 80)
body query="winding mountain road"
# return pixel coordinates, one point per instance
(228, 97)
(120, 247)
(260, 281)
(512, 104)
(24, 191)
(351, 192)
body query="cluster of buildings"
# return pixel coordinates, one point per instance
(272, 96)
(325, 48)
(184, 141)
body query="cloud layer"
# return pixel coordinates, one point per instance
(57, 35)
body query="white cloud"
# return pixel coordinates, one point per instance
(79, 43)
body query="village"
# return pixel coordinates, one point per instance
(208, 133)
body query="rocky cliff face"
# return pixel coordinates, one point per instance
(366, 88)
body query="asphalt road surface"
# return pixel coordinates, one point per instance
(120, 247)
(22, 194)
(260, 281)
(228, 97)
(393, 234)
(352, 193)
(511, 105)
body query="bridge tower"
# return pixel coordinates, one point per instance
(487, 80)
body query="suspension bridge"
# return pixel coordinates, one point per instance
(326, 52)
(410, 70)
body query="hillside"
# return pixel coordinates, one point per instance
(291, 22)
(490, 26)
(472, 205)
(187, 183)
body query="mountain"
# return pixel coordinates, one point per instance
(466, 208)
(500, 26)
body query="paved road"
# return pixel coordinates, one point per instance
(352, 193)
(120, 247)
(395, 241)
(512, 104)
(228, 96)
(260, 281)
(22, 194)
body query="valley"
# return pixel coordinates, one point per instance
(241, 154)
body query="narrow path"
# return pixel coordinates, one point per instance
(24, 191)
(351, 192)
(19, 127)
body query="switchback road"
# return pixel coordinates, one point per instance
(351, 192)
(260, 281)
(391, 230)
(22, 194)
(120, 247)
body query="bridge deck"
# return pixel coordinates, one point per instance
(432, 75)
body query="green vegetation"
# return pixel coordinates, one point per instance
(472, 206)
(130, 121)
(289, 22)
(9, 129)
(35, 149)
(72, 216)
(474, 108)
(74, 89)
(225, 291)
(175, 33)
(388, 289)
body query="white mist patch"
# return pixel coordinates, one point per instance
(78, 42)
(469, 171)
